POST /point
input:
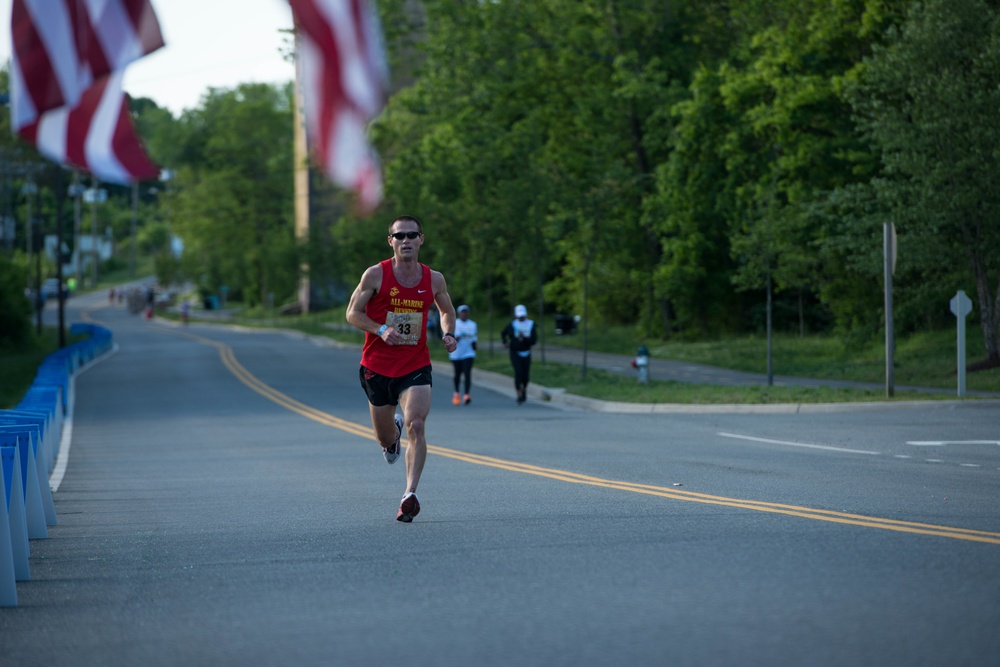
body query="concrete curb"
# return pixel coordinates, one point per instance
(558, 398)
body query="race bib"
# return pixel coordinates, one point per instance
(407, 325)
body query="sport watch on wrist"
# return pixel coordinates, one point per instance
(448, 334)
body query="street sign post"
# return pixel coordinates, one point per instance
(961, 306)
(889, 262)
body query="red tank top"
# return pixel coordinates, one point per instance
(406, 302)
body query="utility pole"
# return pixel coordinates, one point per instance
(28, 190)
(135, 215)
(301, 175)
(93, 235)
(60, 198)
(36, 234)
(889, 241)
(76, 190)
(770, 345)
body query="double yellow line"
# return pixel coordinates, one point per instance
(244, 376)
(708, 499)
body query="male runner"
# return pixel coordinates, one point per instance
(390, 305)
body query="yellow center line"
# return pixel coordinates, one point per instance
(364, 431)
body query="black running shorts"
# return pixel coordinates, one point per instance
(382, 390)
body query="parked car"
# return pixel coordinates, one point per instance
(50, 289)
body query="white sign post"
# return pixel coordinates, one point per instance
(961, 306)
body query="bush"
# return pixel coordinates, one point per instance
(15, 307)
(112, 264)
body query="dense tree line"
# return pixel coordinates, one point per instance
(230, 195)
(665, 164)
(660, 162)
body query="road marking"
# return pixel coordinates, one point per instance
(942, 443)
(66, 441)
(798, 444)
(970, 465)
(364, 431)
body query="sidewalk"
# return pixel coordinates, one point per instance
(682, 371)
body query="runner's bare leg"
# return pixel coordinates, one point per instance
(383, 424)
(416, 404)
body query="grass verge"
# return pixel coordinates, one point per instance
(21, 365)
(608, 386)
(811, 357)
(922, 360)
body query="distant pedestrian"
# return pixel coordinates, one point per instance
(464, 355)
(519, 336)
(433, 322)
(185, 310)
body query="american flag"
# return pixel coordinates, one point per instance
(344, 80)
(66, 88)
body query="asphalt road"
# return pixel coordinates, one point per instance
(224, 504)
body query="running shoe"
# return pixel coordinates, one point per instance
(468, 399)
(392, 454)
(455, 400)
(408, 508)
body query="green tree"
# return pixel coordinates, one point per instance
(553, 100)
(691, 207)
(162, 134)
(929, 101)
(15, 308)
(231, 201)
(756, 148)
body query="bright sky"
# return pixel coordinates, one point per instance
(209, 43)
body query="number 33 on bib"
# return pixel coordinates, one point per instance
(407, 325)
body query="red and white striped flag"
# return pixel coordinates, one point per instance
(66, 88)
(344, 81)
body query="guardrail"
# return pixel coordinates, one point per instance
(30, 437)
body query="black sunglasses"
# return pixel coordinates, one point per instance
(399, 236)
